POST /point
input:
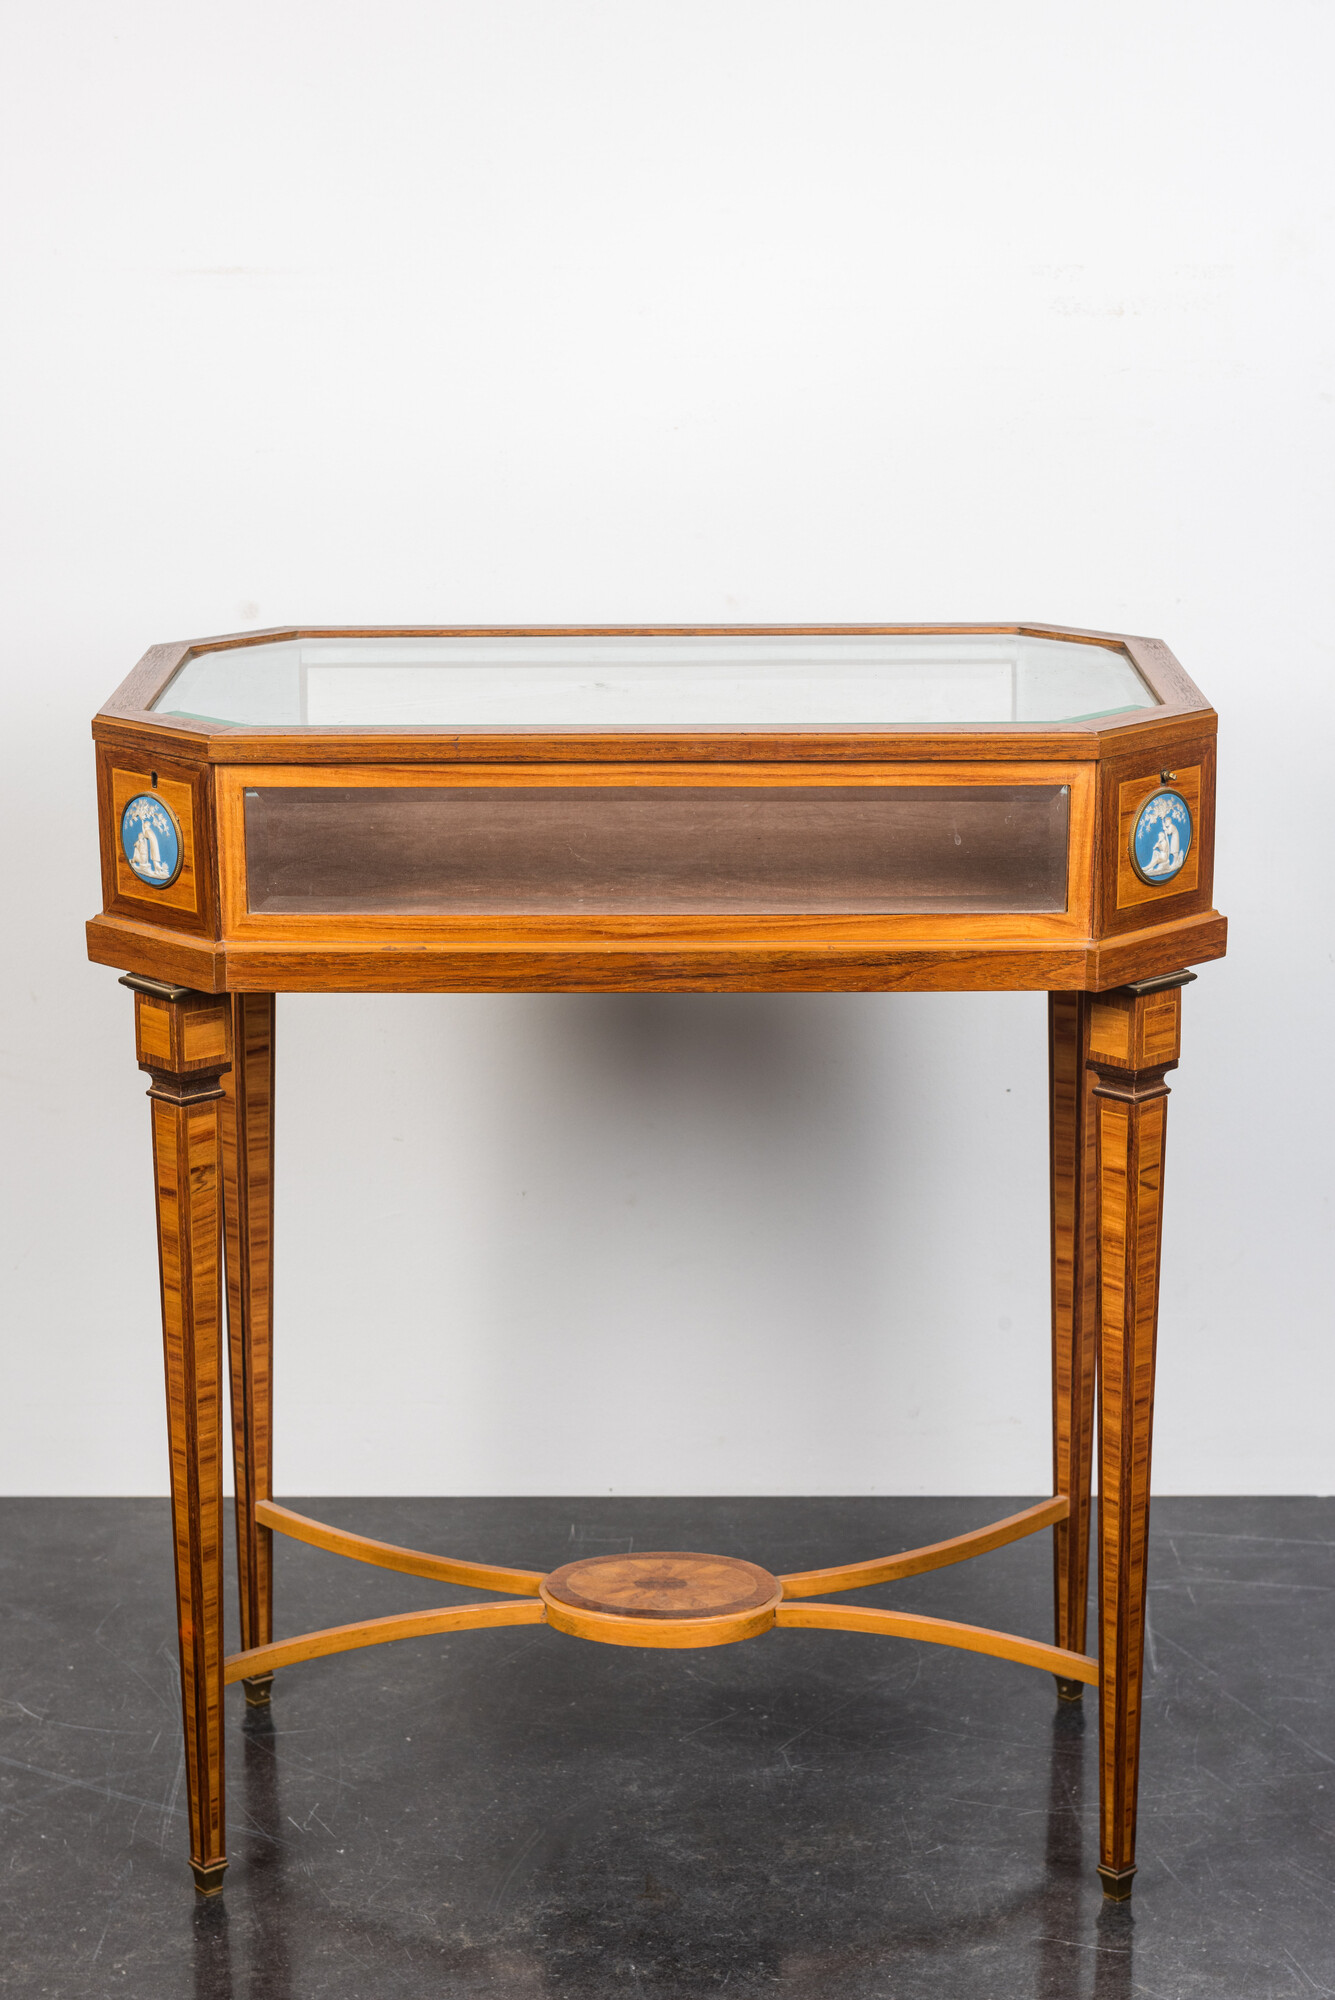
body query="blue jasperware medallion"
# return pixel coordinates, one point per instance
(1161, 838)
(151, 840)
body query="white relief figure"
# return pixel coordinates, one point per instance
(1167, 856)
(146, 856)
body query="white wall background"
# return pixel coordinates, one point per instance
(584, 310)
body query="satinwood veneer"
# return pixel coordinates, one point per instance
(649, 809)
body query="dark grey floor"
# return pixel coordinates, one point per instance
(515, 1813)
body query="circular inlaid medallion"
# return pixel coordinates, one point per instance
(662, 1598)
(1161, 838)
(151, 840)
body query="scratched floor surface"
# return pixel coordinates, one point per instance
(515, 1813)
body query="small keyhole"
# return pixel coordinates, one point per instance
(153, 779)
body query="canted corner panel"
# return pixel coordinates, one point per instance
(1132, 795)
(1124, 903)
(187, 902)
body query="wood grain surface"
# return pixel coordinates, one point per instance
(513, 850)
(672, 1598)
(178, 794)
(935, 1555)
(260, 1660)
(940, 1632)
(677, 852)
(213, 1143)
(1126, 780)
(387, 1555)
(189, 903)
(1132, 796)
(662, 1584)
(248, 1199)
(1161, 733)
(1130, 1097)
(1074, 1238)
(759, 958)
(187, 1162)
(126, 717)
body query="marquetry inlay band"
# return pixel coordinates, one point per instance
(666, 1585)
(665, 1598)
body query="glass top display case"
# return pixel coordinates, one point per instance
(656, 680)
(640, 811)
(854, 806)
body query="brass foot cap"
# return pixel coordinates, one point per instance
(1117, 1883)
(1069, 1690)
(257, 1690)
(209, 1880)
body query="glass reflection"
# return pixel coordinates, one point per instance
(266, 1860)
(664, 680)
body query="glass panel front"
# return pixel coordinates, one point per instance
(665, 680)
(511, 849)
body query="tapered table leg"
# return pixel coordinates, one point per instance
(1134, 1037)
(182, 1040)
(1074, 1311)
(247, 1151)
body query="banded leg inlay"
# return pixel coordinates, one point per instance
(1074, 1312)
(182, 1040)
(1134, 1040)
(247, 1144)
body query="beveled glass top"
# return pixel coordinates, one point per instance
(660, 680)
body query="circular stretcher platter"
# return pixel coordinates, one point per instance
(662, 1598)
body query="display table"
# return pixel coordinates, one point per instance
(872, 809)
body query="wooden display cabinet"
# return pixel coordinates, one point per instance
(781, 809)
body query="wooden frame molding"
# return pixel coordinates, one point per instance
(242, 925)
(128, 718)
(754, 957)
